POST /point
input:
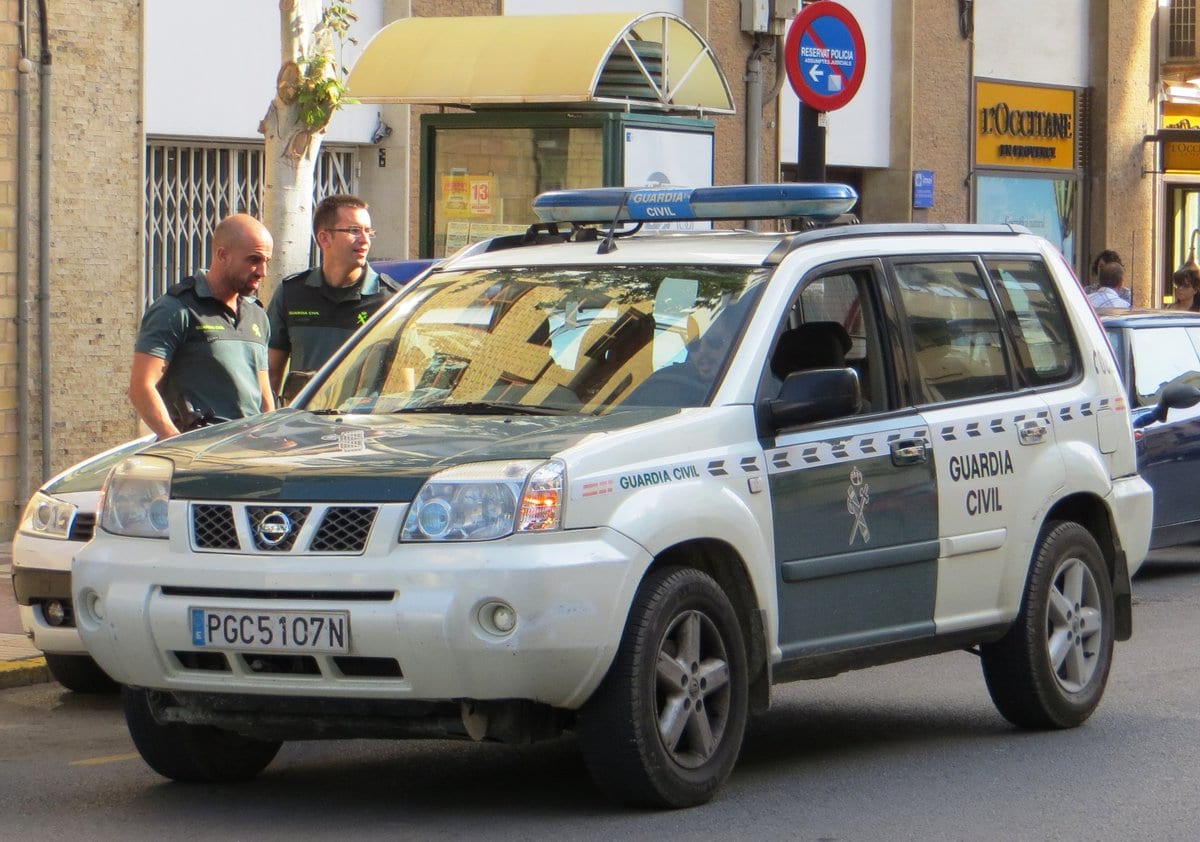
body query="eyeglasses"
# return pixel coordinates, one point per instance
(355, 231)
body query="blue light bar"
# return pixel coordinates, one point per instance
(669, 204)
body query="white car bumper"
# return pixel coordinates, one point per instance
(417, 605)
(47, 561)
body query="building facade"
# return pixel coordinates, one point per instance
(1048, 114)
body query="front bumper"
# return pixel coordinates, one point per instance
(416, 605)
(42, 571)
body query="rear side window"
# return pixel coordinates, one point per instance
(956, 338)
(1045, 346)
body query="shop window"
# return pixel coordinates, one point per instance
(485, 179)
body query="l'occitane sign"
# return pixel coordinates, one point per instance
(1024, 126)
(1181, 155)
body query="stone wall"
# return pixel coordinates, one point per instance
(95, 231)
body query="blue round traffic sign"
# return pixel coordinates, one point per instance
(825, 55)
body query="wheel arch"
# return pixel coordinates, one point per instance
(1090, 512)
(725, 565)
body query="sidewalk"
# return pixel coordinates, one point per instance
(20, 662)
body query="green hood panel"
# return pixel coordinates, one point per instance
(89, 475)
(295, 456)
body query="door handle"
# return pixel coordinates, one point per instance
(909, 452)
(1032, 431)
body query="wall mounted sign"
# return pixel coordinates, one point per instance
(1025, 126)
(1181, 153)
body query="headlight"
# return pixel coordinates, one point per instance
(487, 500)
(47, 517)
(135, 495)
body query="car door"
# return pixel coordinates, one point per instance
(992, 435)
(854, 504)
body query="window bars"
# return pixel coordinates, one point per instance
(191, 186)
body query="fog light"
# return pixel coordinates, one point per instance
(90, 605)
(503, 618)
(498, 618)
(54, 612)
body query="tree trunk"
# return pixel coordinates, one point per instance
(291, 148)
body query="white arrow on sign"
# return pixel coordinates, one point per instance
(815, 73)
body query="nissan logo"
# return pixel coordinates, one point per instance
(274, 529)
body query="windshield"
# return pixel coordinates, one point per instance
(547, 340)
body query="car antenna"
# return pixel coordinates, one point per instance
(608, 243)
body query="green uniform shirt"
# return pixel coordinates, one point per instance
(213, 354)
(311, 319)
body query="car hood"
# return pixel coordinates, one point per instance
(89, 475)
(295, 455)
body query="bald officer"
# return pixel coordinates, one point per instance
(201, 351)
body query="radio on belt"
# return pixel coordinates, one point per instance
(658, 204)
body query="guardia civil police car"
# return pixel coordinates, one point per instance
(621, 483)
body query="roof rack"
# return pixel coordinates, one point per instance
(845, 232)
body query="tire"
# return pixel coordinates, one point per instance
(80, 674)
(193, 753)
(1051, 668)
(665, 726)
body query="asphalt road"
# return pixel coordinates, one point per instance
(909, 751)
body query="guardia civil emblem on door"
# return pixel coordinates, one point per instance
(858, 494)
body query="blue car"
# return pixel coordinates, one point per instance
(1159, 355)
(402, 271)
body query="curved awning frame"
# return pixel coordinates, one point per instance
(654, 61)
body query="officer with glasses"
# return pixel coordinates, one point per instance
(313, 312)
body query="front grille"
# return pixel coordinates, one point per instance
(253, 528)
(281, 664)
(344, 529)
(83, 527)
(292, 516)
(205, 661)
(213, 527)
(360, 667)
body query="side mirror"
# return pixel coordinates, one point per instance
(1174, 396)
(814, 395)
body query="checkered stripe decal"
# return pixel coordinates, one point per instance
(1075, 412)
(839, 450)
(744, 466)
(991, 426)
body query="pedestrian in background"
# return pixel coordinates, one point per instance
(1187, 288)
(1106, 258)
(313, 312)
(201, 351)
(1111, 279)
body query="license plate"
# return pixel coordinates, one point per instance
(271, 631)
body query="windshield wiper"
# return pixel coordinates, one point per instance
(483, 408)
(325, 411)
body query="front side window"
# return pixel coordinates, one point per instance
(548, 339)
(1162, 357)
(956, 339)
(832, 325)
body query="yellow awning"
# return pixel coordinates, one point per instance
(654, 61)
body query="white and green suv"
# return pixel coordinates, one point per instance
(624, 483)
